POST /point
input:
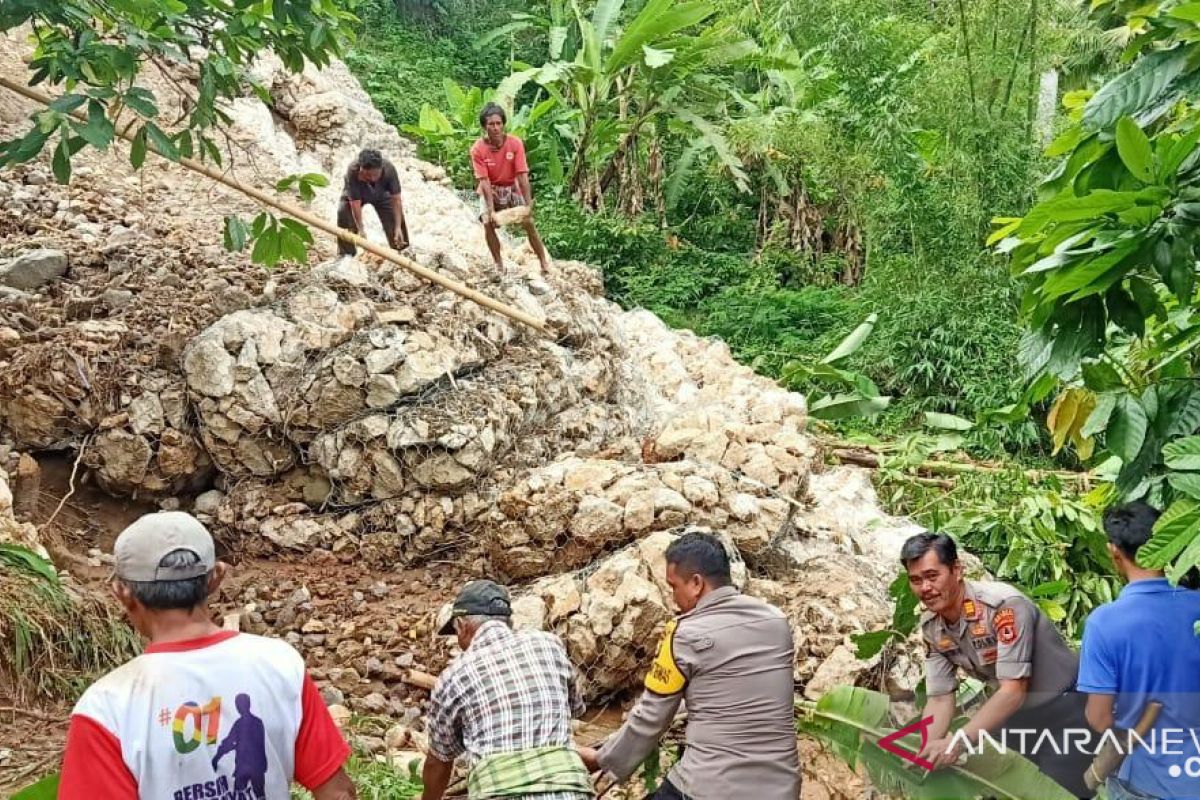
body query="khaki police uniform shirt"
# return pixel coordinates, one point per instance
(730, 659)
(1001, 635)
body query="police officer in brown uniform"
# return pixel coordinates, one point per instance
(729, 657)
(994, 633)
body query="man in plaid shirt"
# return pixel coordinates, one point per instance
(506, 704)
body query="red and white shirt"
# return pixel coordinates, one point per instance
(230, 716)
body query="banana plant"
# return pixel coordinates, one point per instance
(852, 721)
(836, 392)
(614, 80)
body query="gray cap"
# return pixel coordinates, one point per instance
(143, 545)
(485, 598)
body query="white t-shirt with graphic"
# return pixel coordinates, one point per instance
(228, 717)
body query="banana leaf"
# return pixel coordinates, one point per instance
(851, 720)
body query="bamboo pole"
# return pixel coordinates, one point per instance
(308, 218)
(865, 457)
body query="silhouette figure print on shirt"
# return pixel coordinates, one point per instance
(248, 741)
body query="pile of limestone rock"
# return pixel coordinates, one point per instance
(352, 409)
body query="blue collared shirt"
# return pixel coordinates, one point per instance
(1142, 647)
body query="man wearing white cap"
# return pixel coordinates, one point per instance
(203, 712)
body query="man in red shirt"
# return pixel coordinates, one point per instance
(503, 174)
(159, 727)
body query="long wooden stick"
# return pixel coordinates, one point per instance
(864, 457)
(308, 218)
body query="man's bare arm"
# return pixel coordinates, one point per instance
(485, 191)
(941, 708)
(356, 212)
(1099, 711)
(339, 787)
(435, 777)
(526, 188)
(397, 219)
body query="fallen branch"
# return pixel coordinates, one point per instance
(874, 459)
(308, 218)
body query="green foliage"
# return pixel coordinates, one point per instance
(96, 51)
(853, 720)
(402, 64)
(1108, 261)
(53, 641)
(851, 394)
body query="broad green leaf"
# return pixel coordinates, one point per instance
(1134, 148)
(61, 163)
(1069, 208)
(68, 103)
(235, 234)
(431, 119)
(850, 345)
(603, 16)
(501, 32)
(851, 720)
(1100, 376)
(1097, 421)
(1178, 151)
(161, 142)
(1007, 226)
(1127, 428)
(720, 145)
(142, 101)
(1135, 89)
(297, 229)
(867, 645)
(657, 58)
(1183, 454)
(1189, 558)
(506, 92)
(949, 422)
(1188, 11)
(1050, 588)
(267, 248)
(656, 20)
(137, 149)
(1174, 531)
(1186, 483)
(841, 406)
(1088, 276)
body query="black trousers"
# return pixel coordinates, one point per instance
(345, 219)
(1061, 713)
(666, 791)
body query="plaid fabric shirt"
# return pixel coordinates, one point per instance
(509, 691)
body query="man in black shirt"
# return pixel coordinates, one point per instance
(372, 180)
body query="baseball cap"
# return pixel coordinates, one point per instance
(486, 598)
(143, 545)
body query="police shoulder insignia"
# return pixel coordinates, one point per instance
(969, 609)
(1005, 623)
(664, 676)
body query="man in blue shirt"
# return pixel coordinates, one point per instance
(1142, 647)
